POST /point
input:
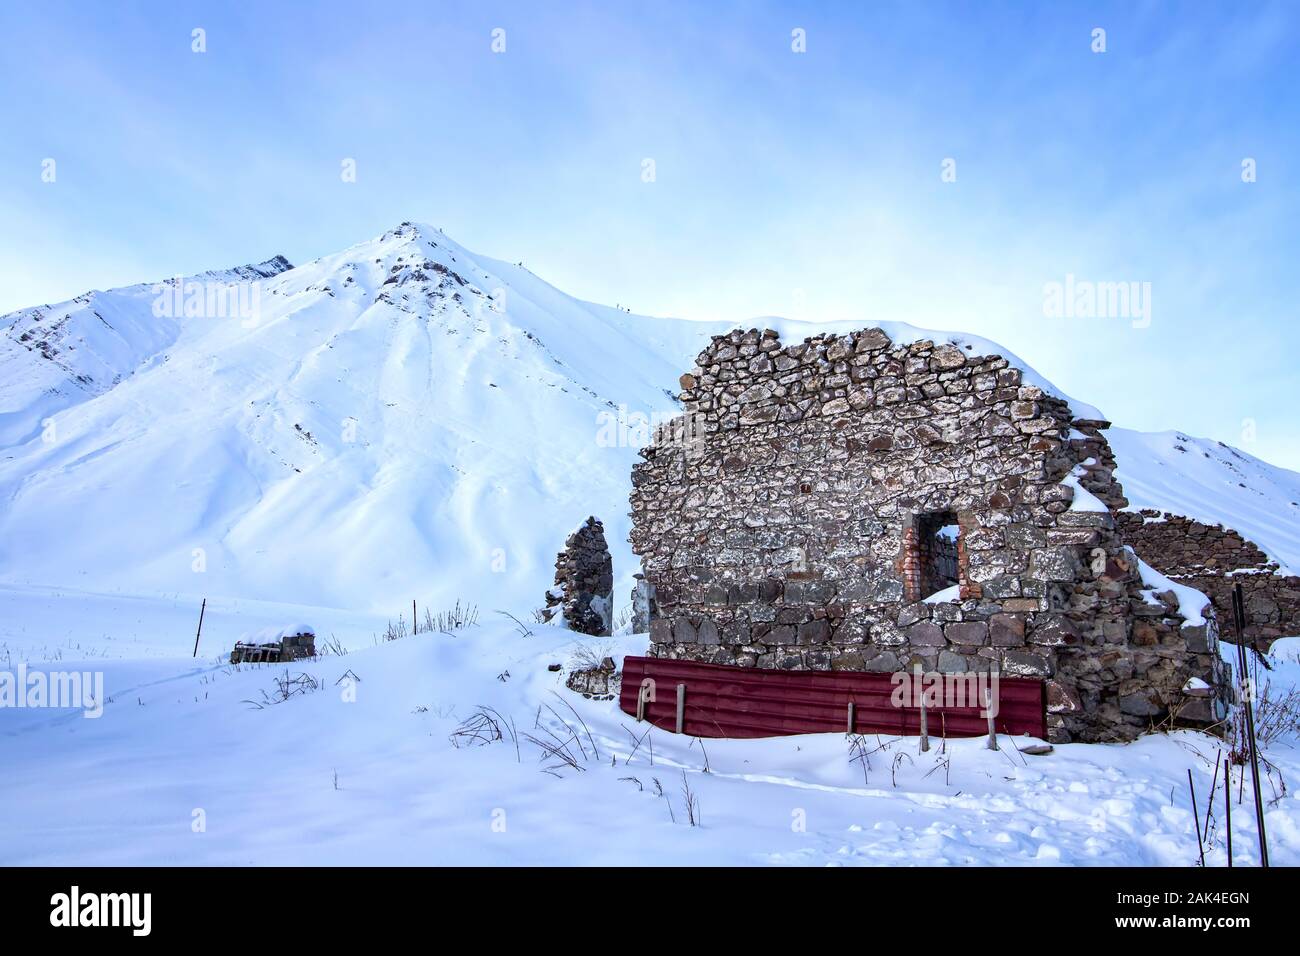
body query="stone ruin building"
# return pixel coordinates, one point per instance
(860, 504)
(584, 581)
(269, 646)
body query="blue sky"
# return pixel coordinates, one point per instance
(804, 184)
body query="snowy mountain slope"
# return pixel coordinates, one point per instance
(403, 419)
(54, 356)
(1214, 483)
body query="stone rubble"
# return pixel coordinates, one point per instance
(602, 682)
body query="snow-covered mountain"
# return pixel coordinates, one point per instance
(401, 420)
(404, 419)
(55, 356)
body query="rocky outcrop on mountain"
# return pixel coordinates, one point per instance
(87, 339)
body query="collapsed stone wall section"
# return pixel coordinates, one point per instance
(780, 539)
(1212, 559)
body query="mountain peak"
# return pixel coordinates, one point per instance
(414, 230)
(267, 269)
(271, 267)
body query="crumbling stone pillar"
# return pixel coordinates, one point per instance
(584, 581)
(642, 601)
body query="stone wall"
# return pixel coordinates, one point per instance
(642, 604)
(584, 581)
(1212, 559)
(782, 538)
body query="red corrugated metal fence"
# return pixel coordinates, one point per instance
(729, 701)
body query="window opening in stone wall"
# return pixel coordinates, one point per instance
(937, 559)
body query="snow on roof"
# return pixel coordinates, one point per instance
(274, 635)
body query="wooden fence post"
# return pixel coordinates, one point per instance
(988, 709)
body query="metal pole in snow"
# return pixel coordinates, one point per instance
(200, 630)
(1239, 620)
(1200, 843)
(1227, 801)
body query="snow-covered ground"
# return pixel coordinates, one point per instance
(408, 420)
(189, 763)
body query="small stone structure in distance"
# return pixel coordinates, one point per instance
(584, 581)
(275, 646)
(840, 481)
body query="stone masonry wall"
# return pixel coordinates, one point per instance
(584, 579)
(781, 539)
(1212, 558)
